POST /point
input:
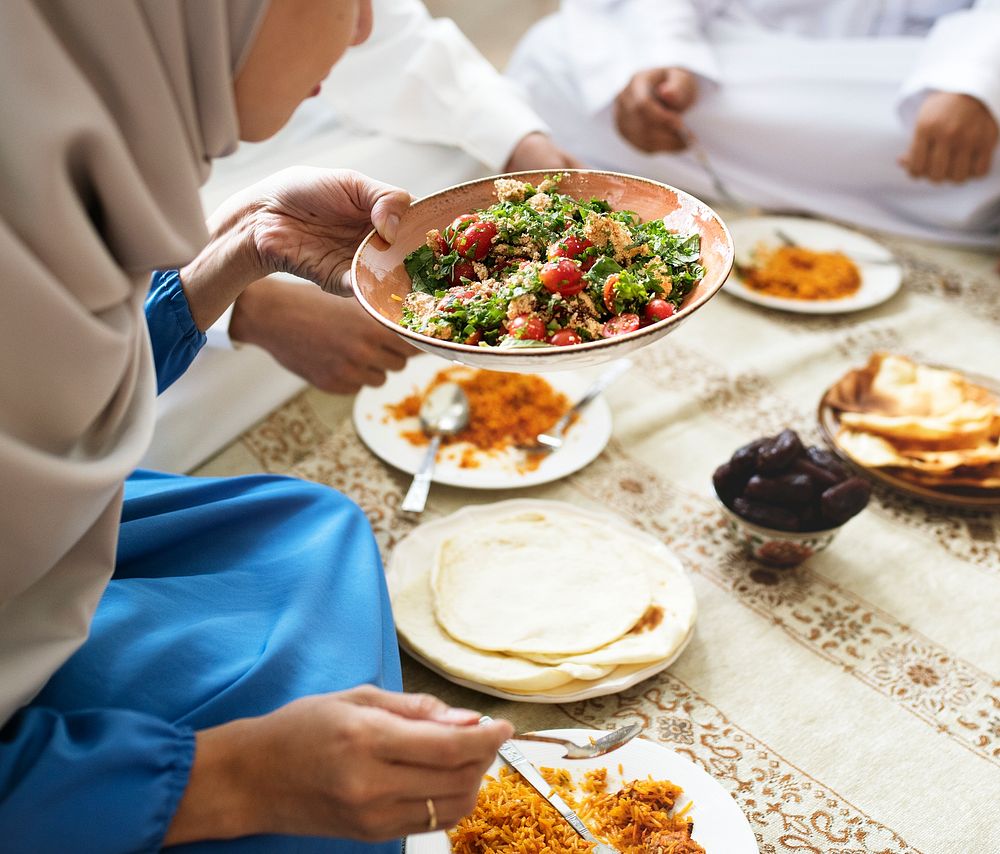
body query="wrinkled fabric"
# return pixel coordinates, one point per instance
(207, 619)
(111, 115)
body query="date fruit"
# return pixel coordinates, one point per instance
(778, 483)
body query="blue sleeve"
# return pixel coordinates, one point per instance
(176, 340)
(105, 780)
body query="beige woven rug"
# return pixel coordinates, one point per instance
(850, 706)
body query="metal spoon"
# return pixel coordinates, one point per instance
(444, 412)
(605, 744)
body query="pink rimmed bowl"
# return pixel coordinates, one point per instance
(380, 280)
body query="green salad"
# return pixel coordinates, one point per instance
(540, 268)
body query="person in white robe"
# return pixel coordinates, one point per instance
(417, 79)
(880, 114)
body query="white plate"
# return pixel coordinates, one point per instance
(383, 434)
(416, 551)
(879, 281)
(719, 824)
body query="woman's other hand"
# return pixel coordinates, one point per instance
(648, 111)
(359, 764)
(330, 342)
(537, 151)
(954, 139)
(309, 222)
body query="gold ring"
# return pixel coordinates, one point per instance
(432, 816)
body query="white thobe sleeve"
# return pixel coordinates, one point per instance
(961, 54)
(612, 40)
(419, 78)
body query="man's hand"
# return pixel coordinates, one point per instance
(330, 342)
(954, 140)
(538, 151)
(359, 764)
(308, 221)
(648, 110)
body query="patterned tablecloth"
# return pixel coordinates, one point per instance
(851, 705)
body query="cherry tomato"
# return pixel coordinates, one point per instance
(463, 269)
(455, 296)
(527, 326)
(571, 246)
(620, 324)
(564, 338)
(609, 292)
(474, 338)
(562, 277)
(442, 245)
(459, 222)
(476, 240)
(658, 309)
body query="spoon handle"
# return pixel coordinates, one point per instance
(416, 495)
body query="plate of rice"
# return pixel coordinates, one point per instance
(828, 269)
(506, 410)
(643, 799)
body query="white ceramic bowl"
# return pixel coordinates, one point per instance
(781, 549)
(380, 279)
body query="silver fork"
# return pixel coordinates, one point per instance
(605, 744)
(510, 754)
(788, 240)
(552, 439)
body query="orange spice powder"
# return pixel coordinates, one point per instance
(505, 410)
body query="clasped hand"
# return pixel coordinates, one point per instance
(954, 139)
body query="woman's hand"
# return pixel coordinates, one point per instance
(309, 222)
(954, 139)
(330, 342)
(359, 764)
(302, 220)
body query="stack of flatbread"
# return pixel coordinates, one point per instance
(929, 426)
(533, 600)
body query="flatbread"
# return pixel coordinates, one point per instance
(671, 616)
(413, 609)
(547, 582)
(928, 425)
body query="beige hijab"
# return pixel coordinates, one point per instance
(111, 113)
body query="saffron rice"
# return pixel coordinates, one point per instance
(511, 817)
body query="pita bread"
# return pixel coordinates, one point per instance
(660, 631)
(413, 609)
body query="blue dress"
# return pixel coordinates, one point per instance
(230, 598)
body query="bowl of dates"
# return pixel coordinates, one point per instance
(786, 501)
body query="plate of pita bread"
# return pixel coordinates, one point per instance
(930, 431)
(539, 601)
